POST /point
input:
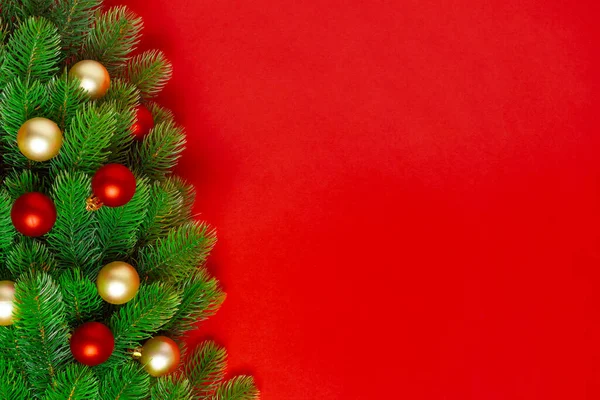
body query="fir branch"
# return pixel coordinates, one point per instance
(141, 318)
(3, 36)
(41, 328)
(76, 382)
(206, 368)
(7, 230)
(122, 92)
(73, 237)
(87, 142)
(178, 254)
(30, 255)
(118, 226)
(66, 97)
(33, 51)
(36, 7)
(81, 295)
(74, 19)
(129, 382)
(12, 384)
(160, 150)
(160, 113)
(18, 103)
(18, 183)
(123, 97)
(150, 72)
(239, 388)
(201, 297)
(11, 13)
(115, 34)
(188, 194)
(9, 352)
(172, 388)
(170, 208)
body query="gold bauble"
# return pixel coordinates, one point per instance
(39, 139)
(7, 302)
(160, 356)
(93, 76)
(118, 282)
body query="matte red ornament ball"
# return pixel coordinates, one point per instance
(92, 343)
(114, 185)
(33, 214)
(144, 121)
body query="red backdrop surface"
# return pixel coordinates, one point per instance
(406, 191)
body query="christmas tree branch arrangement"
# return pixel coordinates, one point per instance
(101, 262)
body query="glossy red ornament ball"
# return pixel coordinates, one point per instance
(144, 121)
(33, 214)
(92, 343)
(114, 185)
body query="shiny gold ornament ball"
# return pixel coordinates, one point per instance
(93, 76)
(7, 299)
(39, 139)
(160, 356)
(118, 282)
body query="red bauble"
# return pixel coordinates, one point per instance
(92, 343)
(114, 185)
(33, 214)
(144, 121)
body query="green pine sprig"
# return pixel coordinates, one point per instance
(238, 388)
(172, 388)
(114, 36)
(32, 51)
(206, 368)
(73, 239)
(150, 72)
(41, 329)
(128, 382)
(176, 256)
(75, 382)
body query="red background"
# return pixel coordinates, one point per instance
(406, 191)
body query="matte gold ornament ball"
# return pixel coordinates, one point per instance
(160, 356)
(39, 139)
(7, 300)
(93, 76)
(118, 282)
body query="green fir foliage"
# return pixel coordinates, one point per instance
(141, 317)
(75, 382)
(19, 102)
(73, 237)
(66, 97)
(118, 227)
(33, 51)
(150, 72)
(30, 255)
(158, 154)
(129, 382)
(156, 231)
(7, 231)
(12, 384)
(177, 255)
(41, 328)
(170, 388)
(89, 140)
(206, 368)
(73, 19)
(238, 388)
(114, 35)
(82, 296)
(201, 297)
(18, 183)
